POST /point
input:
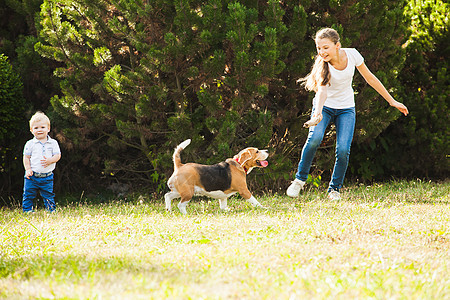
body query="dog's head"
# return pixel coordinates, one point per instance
(250, 158)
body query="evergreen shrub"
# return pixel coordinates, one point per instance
(416, 146)
(12, 120)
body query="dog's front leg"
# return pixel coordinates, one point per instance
(254, 202)
(249, 197)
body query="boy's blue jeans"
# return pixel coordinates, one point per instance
(344, 120)
(34, 185)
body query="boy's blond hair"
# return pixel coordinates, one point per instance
(39, 116)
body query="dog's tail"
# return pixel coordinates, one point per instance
(176, 154)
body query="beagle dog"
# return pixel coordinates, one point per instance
(218, 181)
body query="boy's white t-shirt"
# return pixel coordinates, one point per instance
(340, 92)
(38, 150)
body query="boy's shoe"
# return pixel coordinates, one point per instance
(334, 196)
(294, 189)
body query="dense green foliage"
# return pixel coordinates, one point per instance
(11, 119)
(18, 34)
(419, 144)
(11, 99)
(132, 79)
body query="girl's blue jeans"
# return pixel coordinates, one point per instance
(344, 120)
(34, 185)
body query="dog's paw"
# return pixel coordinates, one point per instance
(262, 207)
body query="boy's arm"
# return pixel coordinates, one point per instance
(51, 160)
(55, 158)
(373, 81)
(27, 166)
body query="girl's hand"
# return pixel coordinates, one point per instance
(401, 107)
(315, 119)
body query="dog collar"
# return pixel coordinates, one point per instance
(245, 169)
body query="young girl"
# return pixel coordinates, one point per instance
(331, 79)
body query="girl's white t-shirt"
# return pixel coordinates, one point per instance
(340, 92)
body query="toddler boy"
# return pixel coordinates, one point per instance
(39, 159)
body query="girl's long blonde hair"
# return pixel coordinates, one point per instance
(320, 72)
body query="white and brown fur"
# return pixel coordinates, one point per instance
(218, 181)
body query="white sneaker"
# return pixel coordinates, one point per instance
(334, 196)
(294, 189)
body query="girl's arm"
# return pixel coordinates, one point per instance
(373, 81)
(317, 116)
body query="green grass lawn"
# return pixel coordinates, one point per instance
(387, 241)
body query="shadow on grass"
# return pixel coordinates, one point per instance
(80, 267)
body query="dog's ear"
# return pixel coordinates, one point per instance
(244, 156)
